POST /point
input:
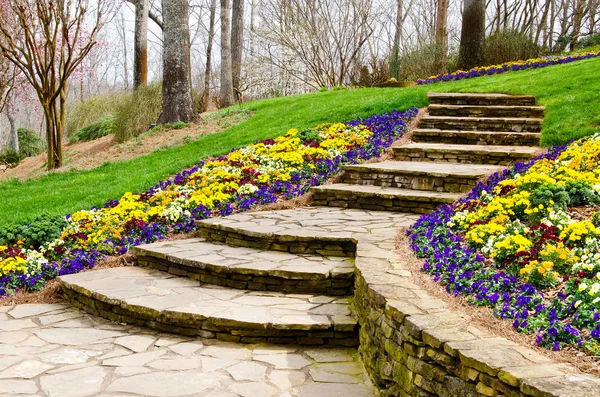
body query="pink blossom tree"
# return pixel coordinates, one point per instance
(47, 40)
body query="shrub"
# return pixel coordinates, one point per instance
(30, 142)
(42, 229)
(85, 113)
(10, 158)
(323, 89)
(509, 45)
(422, 62)
(99, 128)
(591, 40)
(137, 112)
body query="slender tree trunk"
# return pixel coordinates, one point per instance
(473, 34)
(226, 97)
(140, 54)
(252, 16)
(209, 46)
(395, 58)
(237, 41)
(177, 88)
(14, 136)
(578, 14)
(441, 34)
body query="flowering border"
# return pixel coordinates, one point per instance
(78, 249)
(534, 63)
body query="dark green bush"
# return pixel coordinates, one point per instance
(30, 142)
(509, 45)
(99, 128)
(589, 41)
(137, 112)
(10, 158)
(42, 229)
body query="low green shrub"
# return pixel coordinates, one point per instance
(137, 112)
(99, 128)
(10, 158)
(422, 62)
(42, 229)
(591, 40)
(87, 112)
(509, 45)
(30, 142)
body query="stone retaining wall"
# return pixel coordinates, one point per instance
(337, 285)
(413, 345)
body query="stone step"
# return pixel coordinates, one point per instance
(418, 175)
(314, 230)
(476, 99)
(503, 124)
(486, 111)
(468, 154)
(249, 268)
(380, 198)
(476, 137)
(159, 300)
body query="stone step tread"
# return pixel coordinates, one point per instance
(465, 119)
(221, 258)
(470, 149)
(475, 171)
(485, 107)
(310, 224)
(432, 131)
(167, 297)
(475, 95)
(390, 192)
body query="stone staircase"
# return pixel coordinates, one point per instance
(289, 276)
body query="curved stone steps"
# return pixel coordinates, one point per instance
(480, 99)
(456, 137)
(312, 230)
(249, 268)
(418, 175)
(468, 154)
(371, 197)
(162, 301)
(486, 111)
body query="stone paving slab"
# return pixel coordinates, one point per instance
(390, 192)
(476, 137)
(452, 98)
(221, 258)
(158, 299)
(486, 110)
(124, 360)
(470, 149)
(416, 168)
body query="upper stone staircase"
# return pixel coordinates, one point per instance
(288, 276)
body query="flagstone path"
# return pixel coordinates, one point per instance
(58, 351)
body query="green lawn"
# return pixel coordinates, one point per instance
(570, 92)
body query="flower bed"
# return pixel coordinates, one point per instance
(535, 63)
(261, 173)
(527, 244)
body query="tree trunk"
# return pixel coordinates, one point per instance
(177, 88)
(473, 35)
(14, 136)
(395, 61)
(578, 14)
(226, 96)
(209, 46)
(441, 34)
(237, 42)
(140, 57)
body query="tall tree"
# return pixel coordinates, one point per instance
(237, 41)
(47, 40)
(177, 87)
(226, 95)
(140, 51)
(209, 46)
(441, 34)
(395, 60)
(473, 34)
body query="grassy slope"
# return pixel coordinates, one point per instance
(570, 92)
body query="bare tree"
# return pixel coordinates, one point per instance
(226, 97)
(237, 42)
(209, 46)
(441, 34)
(177, 87)
(473, 34)
(395, 61)
(47, 40)
(140, 52)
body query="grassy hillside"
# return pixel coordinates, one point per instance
(571, 93)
